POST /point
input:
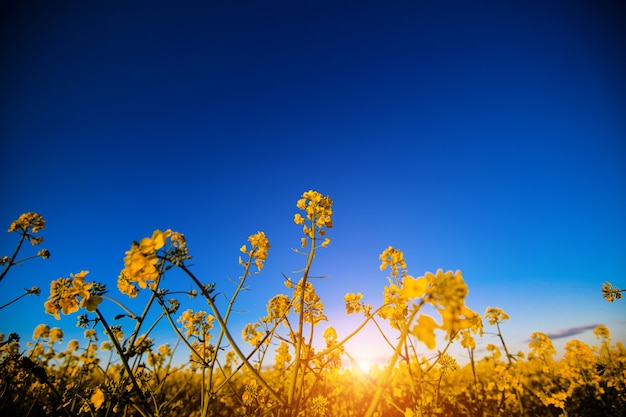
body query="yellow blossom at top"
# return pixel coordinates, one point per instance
(26, 221)
(610, 292)
(602, 332)
(393, 258)
(495, 315)
(260, 246)
(140, 263)
(318, 209)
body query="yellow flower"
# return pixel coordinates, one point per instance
(602, 332)
(151, 245)
(197, 324)
(251, 393)
(447, 364)
(97, 398)
(393, 258)
(495, 315)
(41, 331)
(56, 334)
(260, 246)
(540, 345)
(353, 302)
(52, 308)
(30, 220)
(318, 405)
(90, 333)
(278, 307)
(251, 335)
(91, 303)
(125, 286)
(424, 330)
(414, 288)
(68, 305)
(468, 341)
(318, 210)
(610, 292)
(64, 293)
(330, 336)
(78, 285)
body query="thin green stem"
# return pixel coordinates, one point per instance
(122, 356)
(10, 262)
(229, 337)
(181, 337)
(231, 302)
(130, 313)
(392, 363)
(347, 338)
(15, 300)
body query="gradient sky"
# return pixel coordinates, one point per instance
(488, 137)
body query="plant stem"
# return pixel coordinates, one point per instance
(392, 363)
(305, 276)
(10, 261)
(122, 356)
(229, 337)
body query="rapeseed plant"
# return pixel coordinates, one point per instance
(132, 374)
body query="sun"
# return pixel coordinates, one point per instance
(364, 365)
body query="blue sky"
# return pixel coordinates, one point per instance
(488, 137)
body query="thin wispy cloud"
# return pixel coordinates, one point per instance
(570, 331)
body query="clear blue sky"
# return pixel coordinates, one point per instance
(488, 137)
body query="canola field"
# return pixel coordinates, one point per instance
(278, 370)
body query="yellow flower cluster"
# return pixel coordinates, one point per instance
(259, 248)
(445, 291)
(602, 332)
(251, 393)
(332, 358)
(313, 305)
(43, 331)
(392, 258)
(424, 330)
(318, 405)
(197, 324)
(26, 221)
(395, 308)
(610, 292)
(65, 294)
(277, 308)
(495, 315)
(447, 364)
(252, 335)
(283, 358)
(354, 305)
(140, 263)
(447, 294)
(540, 345)
(319, 210)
